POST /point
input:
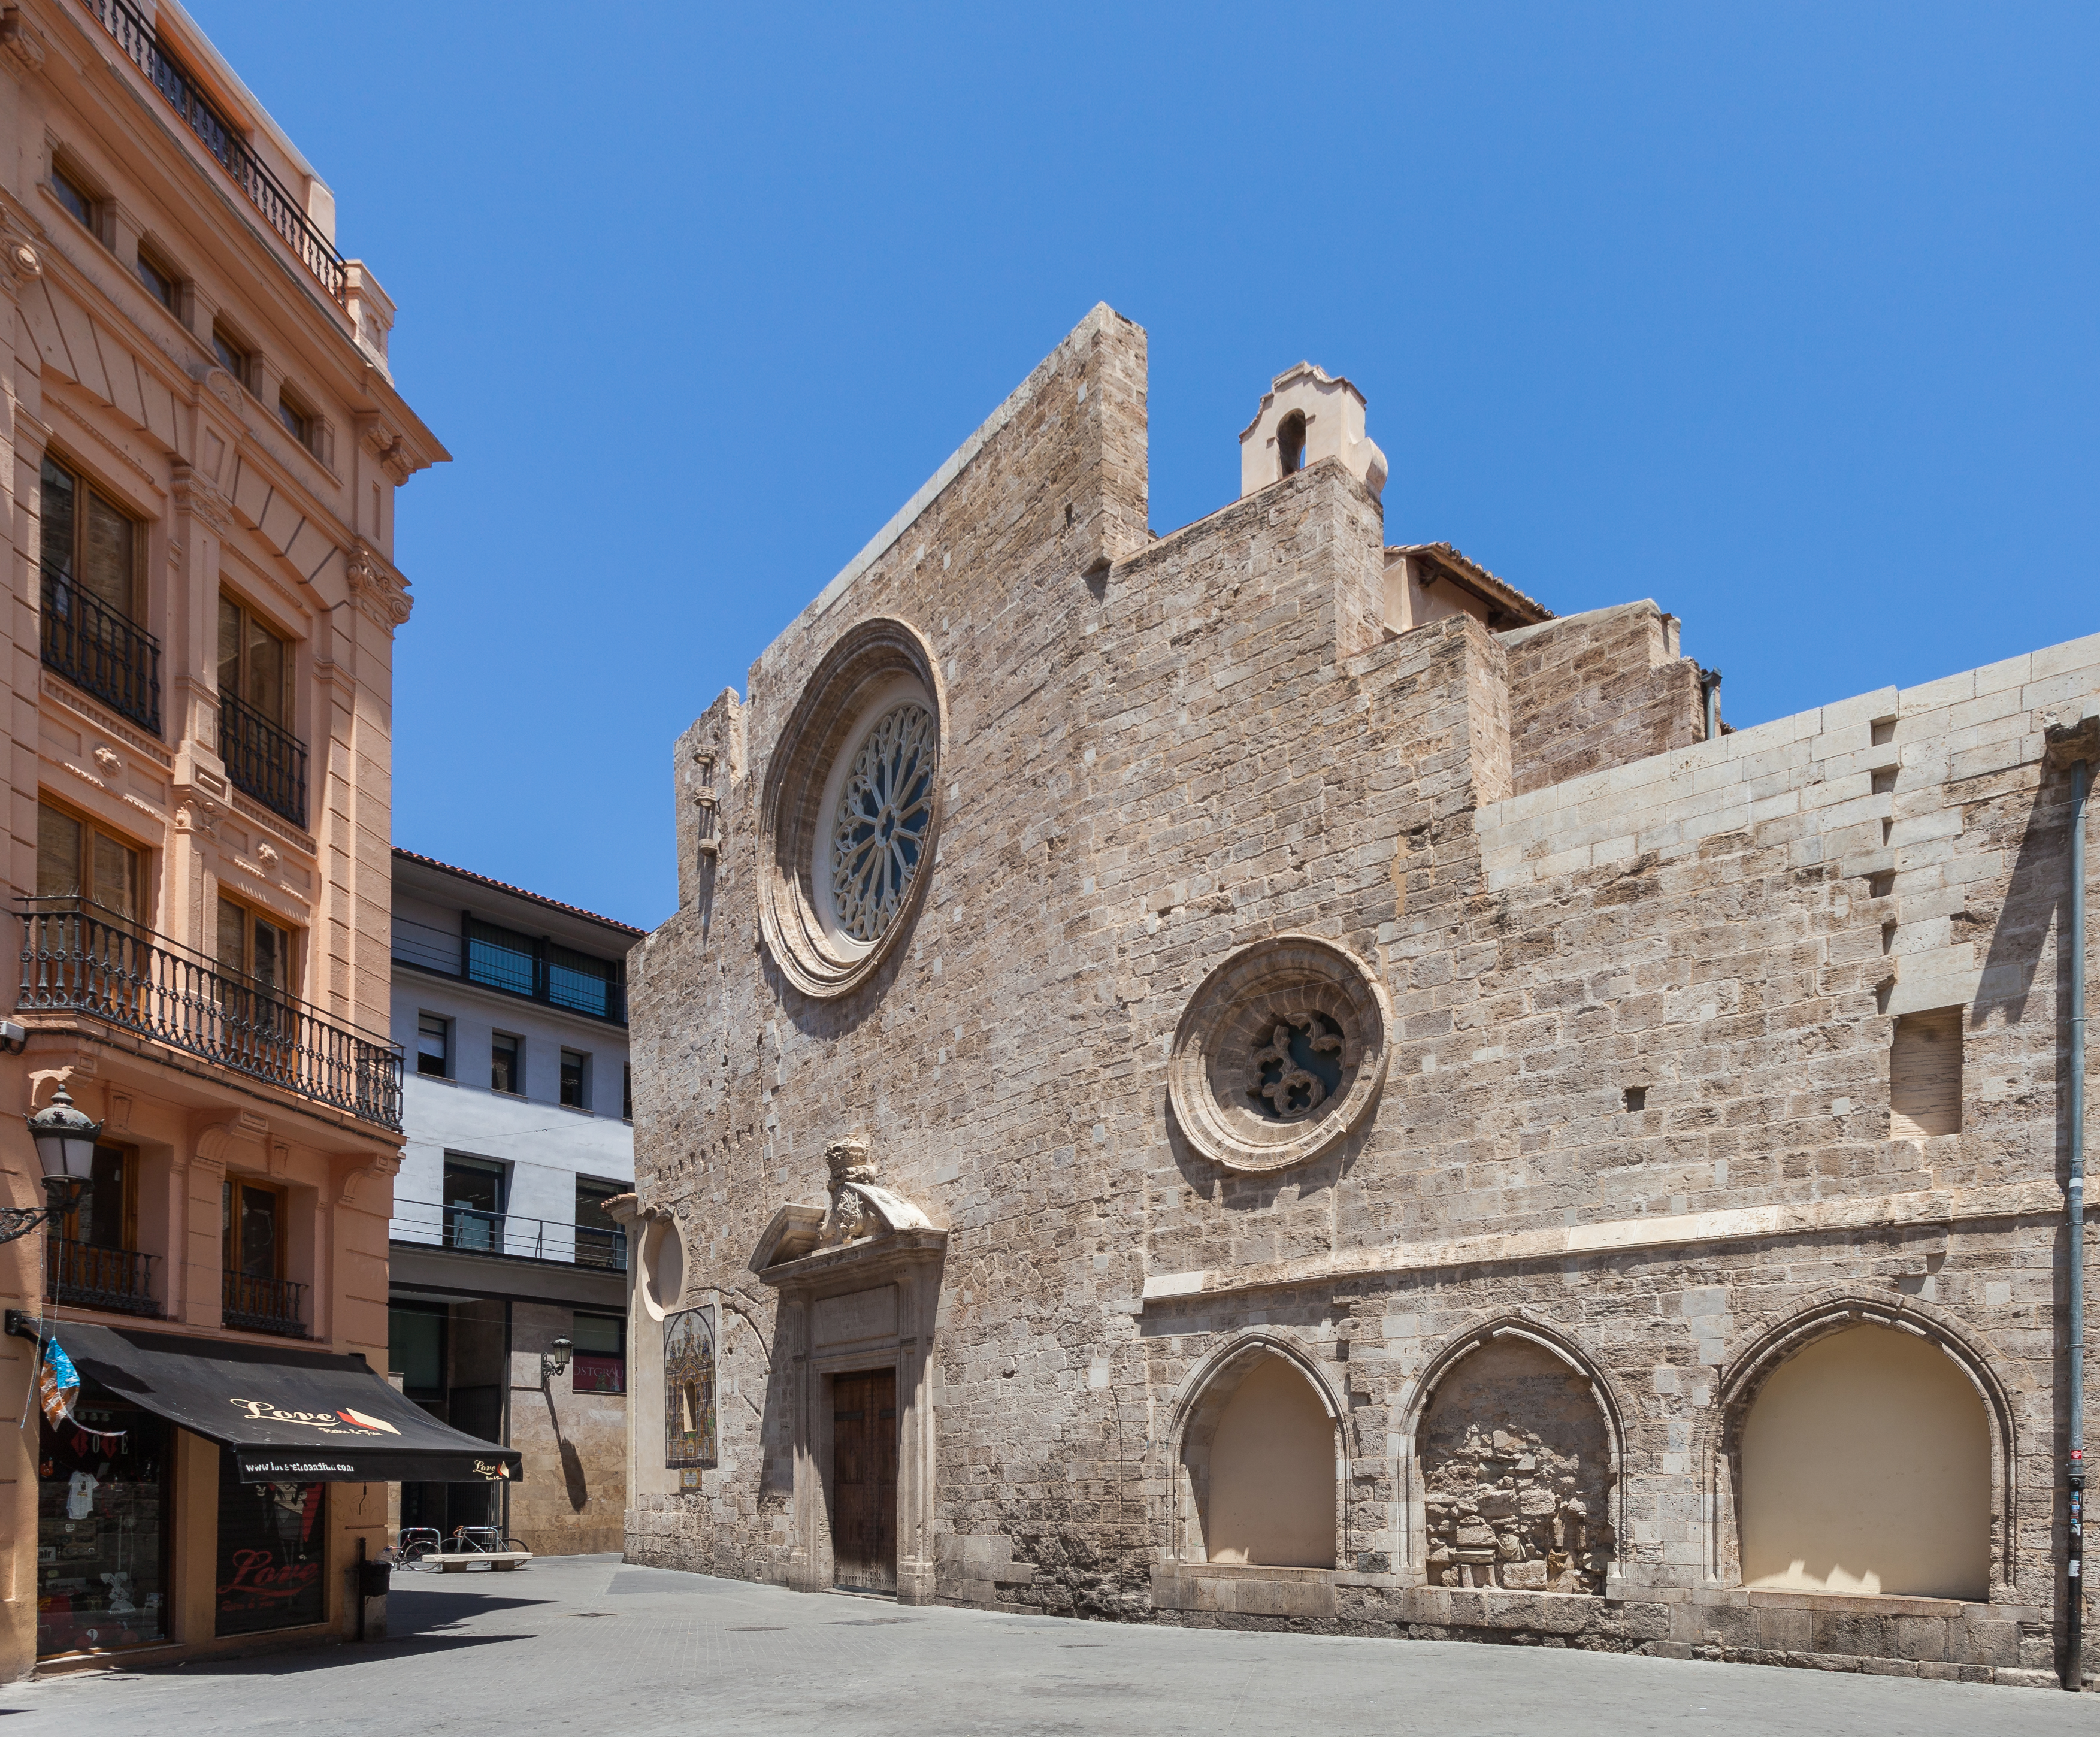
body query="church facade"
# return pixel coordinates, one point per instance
(1258, 1076)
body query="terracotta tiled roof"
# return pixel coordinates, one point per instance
(1527, 611)
(504, 886)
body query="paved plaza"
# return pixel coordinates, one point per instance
(582, 1642)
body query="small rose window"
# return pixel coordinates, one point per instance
(880, 827)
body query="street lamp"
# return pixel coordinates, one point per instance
(553, 1362)
(65, 1151)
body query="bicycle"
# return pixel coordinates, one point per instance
(413, 1543)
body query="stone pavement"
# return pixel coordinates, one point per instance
(582, 1642)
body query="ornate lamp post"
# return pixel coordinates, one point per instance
(65, 1149)
(553, 1362)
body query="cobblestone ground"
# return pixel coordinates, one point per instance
(582, 1642)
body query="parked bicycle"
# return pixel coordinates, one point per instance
(413, 1543)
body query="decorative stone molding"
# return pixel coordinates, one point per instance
(23, 43)
(387, 445)
(860, 1210)
(357, 1172)
(198, 495)
(212, 1131)
(877, 667)
(1280, 1054)
(107, 759)
(377, 588)
(198, 815)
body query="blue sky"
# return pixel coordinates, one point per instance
(1782, 315)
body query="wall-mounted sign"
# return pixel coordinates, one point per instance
(689, 1386)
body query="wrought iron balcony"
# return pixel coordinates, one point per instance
(78, 958)
(88, 1277)
(267, 762)
(219, 135)
(484, 1232)
(256, 1305)
(99, 651)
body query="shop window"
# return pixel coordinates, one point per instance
(272, 1543)
(1866, 1468)
(77, 859)
(105, 1504)
(575, 1071)
(474, 1203)
(88, 543)
(416, 1350)
(434, 1045)
(1271, 1498)
(506, 1063)
(599, 1362)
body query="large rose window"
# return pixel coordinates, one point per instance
(879, 829)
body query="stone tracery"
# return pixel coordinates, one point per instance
(879, 827)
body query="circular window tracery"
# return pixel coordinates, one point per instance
(1280, 1054)
(880, 827)
(851, 809)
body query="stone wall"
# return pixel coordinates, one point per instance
(1596, 690)
(572, 1497)
(1635, 1103)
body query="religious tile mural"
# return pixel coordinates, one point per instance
(689, 1386)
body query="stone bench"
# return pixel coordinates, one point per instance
(498, 1559)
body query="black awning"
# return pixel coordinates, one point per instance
(287, 1416)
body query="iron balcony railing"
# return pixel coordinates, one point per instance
(267, 762)
(534, 968)
(87, 1278)
(100, 652)
(219, 135)
(256, 1305)
(78, 958)
(470, 1227)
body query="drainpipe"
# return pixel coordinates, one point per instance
(1709, 700)
(2073, 1465)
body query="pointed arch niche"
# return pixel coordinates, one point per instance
(1259, 1447)
(1514, 1449)
(1863, 1449)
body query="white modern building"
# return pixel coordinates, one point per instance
(508, 1290)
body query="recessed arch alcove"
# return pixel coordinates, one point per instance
(1864, 1449)
(1259, 1452)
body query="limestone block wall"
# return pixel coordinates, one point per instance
(571, 1500)
(1635, 1120)
(1596, 690)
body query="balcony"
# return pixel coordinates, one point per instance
(138, 39)
(80, 958)
(267, 762)
(102, 652)
(256, 1305)
(533, 968)
(481, 1232)
(87, 1278)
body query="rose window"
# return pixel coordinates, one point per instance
(879, 829)
(1292, 1073)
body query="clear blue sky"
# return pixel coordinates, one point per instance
(1783, 315)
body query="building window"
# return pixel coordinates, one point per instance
(89, 543)
(298, 421)
(163, 286)
(77, 860)
(254, 949)
(574, 1065)
(599, 1364)
(880, 825)
(434, 1046)
(506, 1063)
(254, 1237)
(1924, 1075)
(576, 980)
(255, 662)
(601, 1240)
(76, 199)
(626, 1093)
(415, 1349)
(90, 1258)
(501, 958)
(474, 1203)
(234, 356)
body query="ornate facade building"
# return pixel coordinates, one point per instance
(1259, 1076)
(203, 440)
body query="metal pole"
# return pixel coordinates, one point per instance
(2074, 1666)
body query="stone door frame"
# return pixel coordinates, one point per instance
(909, 1262)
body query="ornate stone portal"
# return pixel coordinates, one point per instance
(858, 1280)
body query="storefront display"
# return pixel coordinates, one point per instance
(271, 1542)
(104, 1506)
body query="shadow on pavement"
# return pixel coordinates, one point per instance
(334, 1658)
(418, 1612)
